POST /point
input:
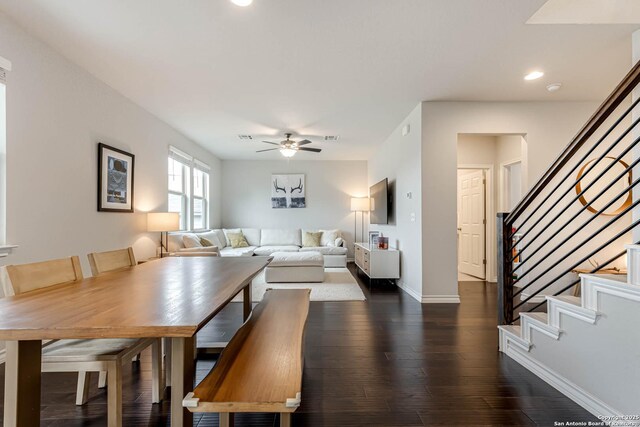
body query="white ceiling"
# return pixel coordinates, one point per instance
(354, 68)
(588, 12)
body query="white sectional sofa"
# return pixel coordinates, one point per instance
(264, 242)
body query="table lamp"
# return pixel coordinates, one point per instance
(359, 204)
(163, 222)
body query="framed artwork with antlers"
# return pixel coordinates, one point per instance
(288, 191)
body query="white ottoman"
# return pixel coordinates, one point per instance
(295, 267)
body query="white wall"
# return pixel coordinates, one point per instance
(398, 159)
(548, 127)
(56, 115)
(246, 195)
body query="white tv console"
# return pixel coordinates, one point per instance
(378, 263)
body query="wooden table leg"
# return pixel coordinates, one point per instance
(22, 383)
(247, 304)
(182, 378)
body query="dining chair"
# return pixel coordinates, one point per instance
(80, 355)
(112, 261)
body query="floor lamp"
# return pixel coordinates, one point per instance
(362, 205)
(163, 222)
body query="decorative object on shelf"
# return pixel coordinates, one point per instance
(288, 191)
(610, 168)
(373, 238)
(362, 205)
(115, 179)
(163, 222)
(383, 243)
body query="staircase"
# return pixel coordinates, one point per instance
(560, 315)
(586, 347)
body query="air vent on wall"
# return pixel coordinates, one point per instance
(331, 138)
(245, 137)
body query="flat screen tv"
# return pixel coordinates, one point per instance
(379, 202)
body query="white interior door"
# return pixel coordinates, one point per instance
(471, 223)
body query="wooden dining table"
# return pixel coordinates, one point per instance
(172, 298)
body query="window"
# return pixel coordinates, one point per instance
(188, 190)
(200, 196)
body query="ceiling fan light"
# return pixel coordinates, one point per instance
(288, 152)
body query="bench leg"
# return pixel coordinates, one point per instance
(226, 419)
(82, 391)
(285, 419)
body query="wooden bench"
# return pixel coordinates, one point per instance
(260, 370)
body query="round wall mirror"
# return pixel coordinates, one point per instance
(615, 169)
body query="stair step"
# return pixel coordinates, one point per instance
(539, 316)
(570, 306)
(539, 322)
(512, 334)
(567, 299)
(593, 284)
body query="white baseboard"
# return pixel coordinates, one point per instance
(440, 299)
(574, 392)
(412, 292)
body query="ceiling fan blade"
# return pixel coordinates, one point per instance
(304, 142)
(268, 149)
(314, 150)
(272, 143)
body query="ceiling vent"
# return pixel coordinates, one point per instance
(331, 138)
(245, 137)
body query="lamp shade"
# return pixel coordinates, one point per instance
(163, 221)
(360, 204)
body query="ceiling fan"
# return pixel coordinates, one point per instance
(289, 148)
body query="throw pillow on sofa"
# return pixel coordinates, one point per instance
(311, 239)
(191, 241)
(237, 240)
(329, 237)
(206, 242)
(214, 237)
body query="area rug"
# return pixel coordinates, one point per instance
(338, 285)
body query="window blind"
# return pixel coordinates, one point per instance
(179, 156)
(201, 165)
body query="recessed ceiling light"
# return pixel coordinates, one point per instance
(534, 75)
(242, 3)
(554, 87)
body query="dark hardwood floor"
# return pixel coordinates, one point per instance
(389, 361)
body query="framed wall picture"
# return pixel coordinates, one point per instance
(373, 238)
(115, 179)
(288, 191)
